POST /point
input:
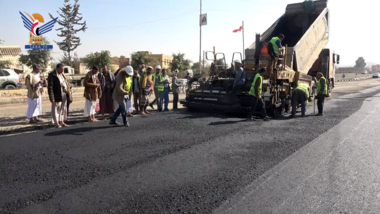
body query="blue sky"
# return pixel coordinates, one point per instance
(172, 26)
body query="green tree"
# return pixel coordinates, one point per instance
(4, 64)
(179, 62)
(360, 63)
(98, 59)
(139, 58)
(38, 56)
(70, 18)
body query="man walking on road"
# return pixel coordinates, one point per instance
(255, 92)
(34, 85)
(59, 93)
(107, 82)
(175, 89)
(120, 94)
(321, 92)
(301, 95)
(155, 84)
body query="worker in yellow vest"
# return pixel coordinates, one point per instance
(155, 84)
(274, 48)
(256, 92)
(163, 91)
(321, 92)
(128, 100)
(301, 94)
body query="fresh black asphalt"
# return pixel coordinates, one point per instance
(175, 162)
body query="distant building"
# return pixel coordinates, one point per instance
(12, 53)
(375, 68)
(163, 59)
(121, 61)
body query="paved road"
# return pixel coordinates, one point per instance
(201, 163)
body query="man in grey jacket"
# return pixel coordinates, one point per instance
(175, 89)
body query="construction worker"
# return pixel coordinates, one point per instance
(128, 99)
(274, 48)
(321, 92)
(163, 90)
(239, 77)
(255, 92)
(155, 84)
(301, 94)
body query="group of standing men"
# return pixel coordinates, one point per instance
(60, 95)
(117, 93)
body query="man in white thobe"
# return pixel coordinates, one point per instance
(34, 85)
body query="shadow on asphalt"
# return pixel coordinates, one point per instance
(77, 131)
(225, 122)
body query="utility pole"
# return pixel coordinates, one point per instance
(243, 43)
(200, 38)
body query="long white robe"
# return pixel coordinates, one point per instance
(35, 105)
(89, 108)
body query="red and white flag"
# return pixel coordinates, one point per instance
(237, 30)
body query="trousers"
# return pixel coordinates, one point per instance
(256, 102)
(299, 97)
(320, 103)
(121, 110)
(163, 100)
(175, 100)
(156, 97)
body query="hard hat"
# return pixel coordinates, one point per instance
(237, 61)
(129, 70)
(150, 67)
(158, 67)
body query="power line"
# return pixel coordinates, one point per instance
(128, 25)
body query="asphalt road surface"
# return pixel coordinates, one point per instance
(202, 162)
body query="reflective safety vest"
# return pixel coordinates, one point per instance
(304, 88)
(276, 49)
(252, 91)
(319, 86)
(128, 85)
(161, 86)
(154, 77)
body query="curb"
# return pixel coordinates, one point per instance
(8, 100)
(354, 79)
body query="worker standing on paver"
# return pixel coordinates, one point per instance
(255, 92)
(155, 84)
(239, 77)
(301, 95)
(274, 48)
(321, 92)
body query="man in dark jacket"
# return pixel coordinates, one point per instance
(107, 83)
(59, 93)
(175, 88)
(136, 89)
